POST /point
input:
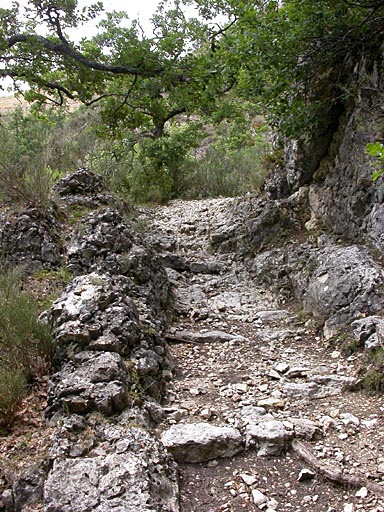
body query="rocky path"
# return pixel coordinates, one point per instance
(250, 365)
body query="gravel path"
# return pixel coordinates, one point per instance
(273, 360)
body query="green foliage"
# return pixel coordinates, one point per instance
(23, 180)
(49, 284)
(12, 388)
(221, 172)
(293, 57)
(373, 376)
(40, 146)
(231, 163)
(377, 150)
(290, 59)
(26, 345)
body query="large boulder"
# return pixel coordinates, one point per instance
(199, 442)
(346, 284)
(249, 224)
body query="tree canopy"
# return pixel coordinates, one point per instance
(289, 59)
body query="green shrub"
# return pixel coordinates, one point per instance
(12, 388)
(376, 150)
(26, 345)
(224, 172)
(26, 186)
(373, 375)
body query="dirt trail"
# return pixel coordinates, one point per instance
(277, 362)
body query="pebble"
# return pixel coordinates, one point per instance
(271, 403)
(281, 367)
(248, 479)
(258, 497)
(362, 493)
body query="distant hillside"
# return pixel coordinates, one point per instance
(9, 103)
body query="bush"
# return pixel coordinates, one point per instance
(26, 345)
(12, 387)
(373, 375)
(224, 172)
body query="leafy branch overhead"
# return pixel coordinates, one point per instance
(274, 53)
(139, 78)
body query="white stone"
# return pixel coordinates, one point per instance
(272, 504)
(362, 492)
(241, 388)
(281, 367)
(258, 497)
(305, 474)
(271, 437)
(348, 419)
(271, 403)
(198, 442)
(248, 479)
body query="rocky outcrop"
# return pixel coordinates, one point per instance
(346, 284)
(335, 283)
(31, 239)
(111, 361)
(252, 225)
(342, 196)
(105, 242)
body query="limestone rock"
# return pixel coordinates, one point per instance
(369, 331)
(269, 437)
(136, 475)
(346, 283)
(305, 429)
(81, 182)
(199, 442)
(31, 239)
(207, 337)
(92, 381)
(28, 488)
(209, 267)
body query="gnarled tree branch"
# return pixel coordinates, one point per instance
(64, 49)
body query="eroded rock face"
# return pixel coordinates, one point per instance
(91, 382)
(336, 283)
(199, 442)
(134, 474)
(346, 284)
(96, 325)
(252, 224)
(107, 243)
(369, 332)
(95, 312)
(103, 236)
